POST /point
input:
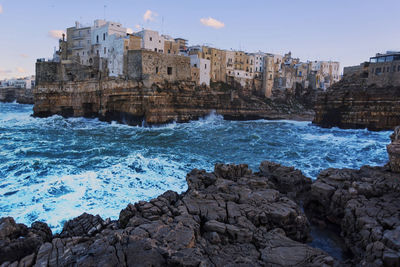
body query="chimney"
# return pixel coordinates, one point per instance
(63, 37)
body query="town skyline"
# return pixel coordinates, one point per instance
(201, 26)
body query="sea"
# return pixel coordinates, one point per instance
(54, 169)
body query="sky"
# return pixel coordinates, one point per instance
(348, 31)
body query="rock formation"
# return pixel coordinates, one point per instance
(20, 95)
(365, 203)
(350, 103)
(134, 102)
(394, 151)
(228, 217)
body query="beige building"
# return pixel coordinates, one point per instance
(153, 66)
(384, 69)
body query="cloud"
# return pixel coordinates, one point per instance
(24, 55)
(21, 70)
(149, 15)
(1, 9)
(137, 26)
(210, 22)
(56, 34)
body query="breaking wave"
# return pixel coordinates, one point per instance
(54, 169)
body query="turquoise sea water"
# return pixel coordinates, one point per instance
(54, 169)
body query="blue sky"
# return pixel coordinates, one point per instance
(347, 31)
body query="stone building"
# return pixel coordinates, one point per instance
(326, 73)
(153, 67)
(79, 44)
(170, 45)
(384, 69)
(217, 60)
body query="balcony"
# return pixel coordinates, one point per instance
(77, 37)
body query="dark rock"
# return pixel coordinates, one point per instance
(365, 203)
(18, 241)
(229, 217)
(393, 150)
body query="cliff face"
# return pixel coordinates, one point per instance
(352, 104)
(133, 102)
(11, 94)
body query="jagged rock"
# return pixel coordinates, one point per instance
(366, 204)
(229, 217)
(85, 224)
(18, 241)
(394, 151)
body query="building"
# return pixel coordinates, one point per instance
(154, 67)
(79, 44)
(151, 40)
(200, 70)
(170, 45)
(326, 73)
(384, 69)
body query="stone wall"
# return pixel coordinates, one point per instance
(384, 74)
(157, 67)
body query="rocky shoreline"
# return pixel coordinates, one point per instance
(20, 95)
(137, 103)
(231, 217)
(351, 103)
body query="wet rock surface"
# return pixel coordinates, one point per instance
(394, 151)
(231, 217)
(365, 203)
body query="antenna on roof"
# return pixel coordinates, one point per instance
(162, 25)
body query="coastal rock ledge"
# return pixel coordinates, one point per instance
(230, 217)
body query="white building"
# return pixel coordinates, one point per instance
(258, 61)
(151, 40)
(101, 36)
(204, 67)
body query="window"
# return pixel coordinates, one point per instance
(155, 49)
(378, 70)
(104, 36)
(398, 68)
(156, 70)
(151, 39)
(387, 69)
(205, 66)
(97, 39)
(169, 70)
(97, 52)
(195, 65)
(394, 68)
(105, 50)
(383, 69)
(169, 51)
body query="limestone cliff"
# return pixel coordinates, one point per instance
(134, 102)
(352, 104)
(20, 95)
